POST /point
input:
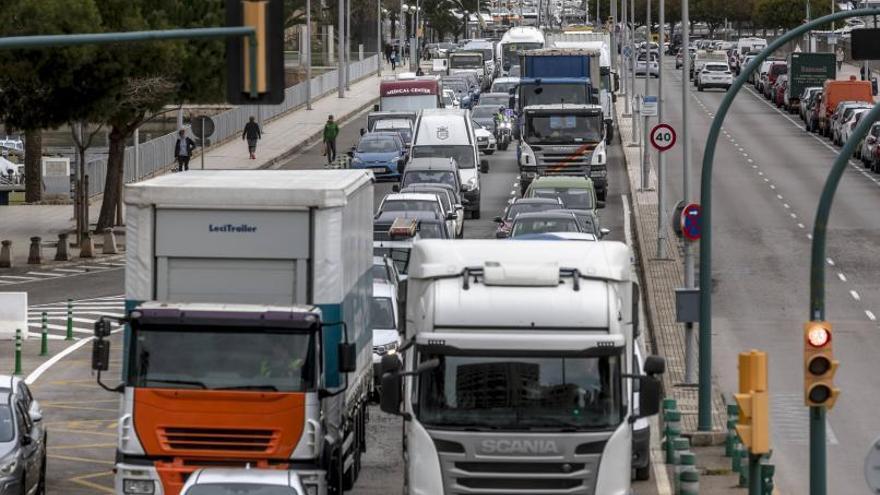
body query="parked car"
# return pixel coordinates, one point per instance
(382, 152)
(843, 117)
(451, 202)
(812, 112)
(23, 439)
(804, 102)
(776, 69)
(523, 205)
(543, 222)
(224, 481)
(714, 75)
(869, 144)
(779, 90)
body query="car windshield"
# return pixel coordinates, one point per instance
(521, 393)
(198, 356)
(239, 489)
(503, 87)
(564, 128)
(410, 205)
(463, 154)
(444, 199)
(7, 426)
(465, 61)
(432, 230)
(382, 313)
(494, 101)
(523, 207)
(643, 56)
(572, 198)
(483, 111)
(429, 177)
(522, 226)
(377, 145)
(554, 94)
(715, 68)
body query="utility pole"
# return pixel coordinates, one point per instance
(690, 359)
(308, 56)
(614, 42)
(624, 31)
(632, 74)
(646, 155)
(347, 45)
(340, 52)
(661, 157)
(378, 38)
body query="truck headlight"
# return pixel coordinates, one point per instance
(138, 487)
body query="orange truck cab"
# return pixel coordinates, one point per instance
(248, 297)
(837, 91)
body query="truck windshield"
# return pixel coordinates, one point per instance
(563, 129)
(466, 62)
(554, 94)
(508, 51)
(521, 393)
(382, 313)
(222, 358)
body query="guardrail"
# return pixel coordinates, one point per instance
(157, 155)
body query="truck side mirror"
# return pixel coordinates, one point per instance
(389, 396)
(100, 355)
(347, 357)
(649, 396)
(655, 365)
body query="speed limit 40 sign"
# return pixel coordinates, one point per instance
(662, 137)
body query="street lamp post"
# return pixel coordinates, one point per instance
(340, 51)
(378, 38)
(308, 54)
(401, 26)
(347, 45)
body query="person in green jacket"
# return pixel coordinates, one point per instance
(331, 130)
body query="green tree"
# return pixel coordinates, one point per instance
(48, 87)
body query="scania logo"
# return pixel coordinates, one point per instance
(442, 133)
(512, 447)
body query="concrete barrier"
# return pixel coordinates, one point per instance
(109, 242)
(6, 254)
(13, 314)
(62, 252)
(87, 247)
(35, 256)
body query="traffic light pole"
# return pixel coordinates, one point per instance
(754, 474)
(704, 412)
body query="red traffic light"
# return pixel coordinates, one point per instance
(818, 336)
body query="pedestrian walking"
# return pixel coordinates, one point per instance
(252, 133)
(331, 130)
(839, 58)
(183, 149)
(388, 51)
(394, 60)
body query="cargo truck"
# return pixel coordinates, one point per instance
(519, 368)
(807, 70)
(555, 75)
(608, 79)
(247, 294)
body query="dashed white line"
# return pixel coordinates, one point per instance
(855, 295)
(793, 215)
(786, 206)
(801, 226)
(870, 315)
(841, 276)
(772, 186)
(829, 261)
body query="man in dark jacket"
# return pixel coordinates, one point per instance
(252, 133)
(331, 130)
(183, 149)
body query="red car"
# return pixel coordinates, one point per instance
(779, 90)
(524, 205)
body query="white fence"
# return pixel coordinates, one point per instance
(157, 155)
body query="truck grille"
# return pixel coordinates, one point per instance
(530, 477)
(219, 439)
(565, 160)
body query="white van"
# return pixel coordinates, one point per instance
(746, 45)
(449, 133)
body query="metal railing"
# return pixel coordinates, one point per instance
(156, 156)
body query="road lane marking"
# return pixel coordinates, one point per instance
(801, 226)
(626, 225)
(870, 315)
(829, 261)
(841, 276)
(855, 295)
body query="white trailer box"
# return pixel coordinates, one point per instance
(258, 237)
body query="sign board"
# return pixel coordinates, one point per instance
(649, 106)
(662, 137)
(691, 222)
(56, 176)
(872, 466)
(863, 44)
(203, 126)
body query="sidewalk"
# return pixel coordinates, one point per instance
(661, 278)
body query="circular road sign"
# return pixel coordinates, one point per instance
(662, 137)
(203, 126)
(872, 466)
(691, 222)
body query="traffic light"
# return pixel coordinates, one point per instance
(753, 426)
(819, 365)
(267, 17)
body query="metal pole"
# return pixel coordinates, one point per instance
(690, 338)
(661, 157)
(308, 46)
(378, 38)
(203, 146)
(754, 474)
(401, 26)
(137, 153)
(624, 68)
(632, 62)
(347, 45)
(340, 52)
(614, 42)
(646, 155)
(705, 400)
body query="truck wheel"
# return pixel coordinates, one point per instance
(643, 473)
(699, 87)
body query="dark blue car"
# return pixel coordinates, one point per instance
(382, 152)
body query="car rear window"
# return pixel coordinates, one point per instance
(239, 489)
(716, 68)
(7, 429)
(779, 69)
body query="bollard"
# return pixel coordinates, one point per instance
(44, 335)
(670, 404)
(730, 440)
(35, 255)
(69, 335)
(690, 483)
(17, 352)
(767, 471)
(62, 251)
(672, 420)
(109, 242)
(687, 463)
(670, 435)
(6, 254)
(736, 459)
(87, 247)
(682, 447)
(743, 467)
(732, 411)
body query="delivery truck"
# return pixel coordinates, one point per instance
(518, 368)
(248, 296)
(807, 70)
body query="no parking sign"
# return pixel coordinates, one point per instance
(691, 222)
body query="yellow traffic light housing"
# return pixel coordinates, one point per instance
(753, 426)
(267, 19)
(819, 365)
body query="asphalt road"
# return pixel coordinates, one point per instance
(768, 176)
(82, 417)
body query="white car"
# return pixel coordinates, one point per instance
(714, 75)
(383, 323)
(221, 481)
(425, 202)
(486, 141)
(644, 66)
(450, 100)
(846, 127)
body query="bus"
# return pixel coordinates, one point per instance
(515, 40)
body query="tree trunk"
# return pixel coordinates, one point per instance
(33, 157)
(115, 162)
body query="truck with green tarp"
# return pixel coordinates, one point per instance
(807, 70)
